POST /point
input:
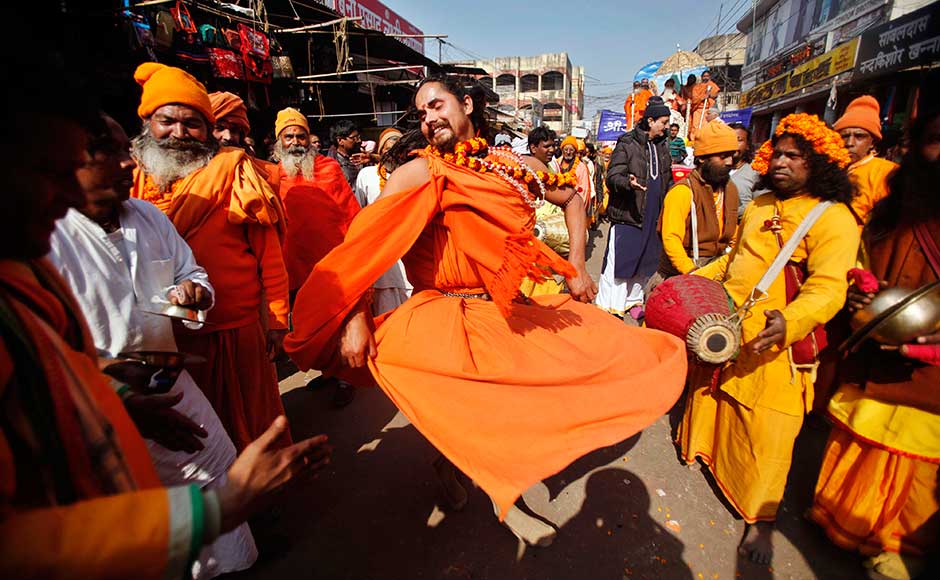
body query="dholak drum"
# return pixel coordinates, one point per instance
(553, 231)
(698, 311)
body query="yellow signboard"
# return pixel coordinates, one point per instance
(837, 60)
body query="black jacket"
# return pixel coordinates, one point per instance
(626, 205)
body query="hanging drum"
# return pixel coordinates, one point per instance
(698, 311)
(554, 232)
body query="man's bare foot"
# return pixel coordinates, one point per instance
(757, 543)
(454, 492)
(893, 566)
(532, 531)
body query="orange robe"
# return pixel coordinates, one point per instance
(704, 96)
(79, 496)
(319, 212)
(636, 102)
(511, 392)
(231, 219)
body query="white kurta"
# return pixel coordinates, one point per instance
(115, 278)
(392, 287)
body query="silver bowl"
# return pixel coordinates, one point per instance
(897, 316)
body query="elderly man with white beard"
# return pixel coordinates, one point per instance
(318, 202)
(228, 214)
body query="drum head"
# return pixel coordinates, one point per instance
(714, 339)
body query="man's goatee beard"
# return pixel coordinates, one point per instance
(296, 159)
(168, 160)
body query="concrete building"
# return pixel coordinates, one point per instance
(798, 51)
(724, 55)
(536, 89)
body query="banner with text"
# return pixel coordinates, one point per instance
(612, 125)
(902, 43)
(378, 16)
(742, 116)
(837, 60)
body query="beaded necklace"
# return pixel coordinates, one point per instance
(471, 154)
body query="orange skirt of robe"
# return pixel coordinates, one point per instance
(237, 379)
(510, 392)
(872, 500)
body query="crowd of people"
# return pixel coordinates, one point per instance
(415, 266)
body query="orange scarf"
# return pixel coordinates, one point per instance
(230, 181)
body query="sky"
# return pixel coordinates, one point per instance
(611, 39)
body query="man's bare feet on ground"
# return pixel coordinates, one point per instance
(757, 543)
(454, 492)
(532, 531)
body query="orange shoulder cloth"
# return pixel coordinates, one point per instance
(231, 181)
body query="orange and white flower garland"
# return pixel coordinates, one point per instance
(471, 154)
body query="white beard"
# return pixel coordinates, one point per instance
(166, 164)
(296, 160)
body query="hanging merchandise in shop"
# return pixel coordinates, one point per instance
(912, 40)
(837, 60)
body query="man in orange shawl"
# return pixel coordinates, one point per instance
(319, 203)
(510, 390)
(231, 219)
(877, 488)
(318, 200)
(232, 128)
(704, 95)
(79, 497)
(636, 102)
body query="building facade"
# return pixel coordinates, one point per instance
(806, 56)
(544, 89)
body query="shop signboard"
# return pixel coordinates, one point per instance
(377, 16)
(837, 60)
(901, 43)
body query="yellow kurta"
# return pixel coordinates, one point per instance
(676, 209)
(745, 431)
(870, 178)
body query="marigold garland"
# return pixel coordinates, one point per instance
(470, 154)
(824, 141)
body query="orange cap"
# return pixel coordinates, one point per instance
(289, 117)
(864, 113)
(168, 85)
(715, 137)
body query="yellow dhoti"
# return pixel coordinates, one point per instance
(748, 451)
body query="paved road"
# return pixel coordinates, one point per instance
(630, 511)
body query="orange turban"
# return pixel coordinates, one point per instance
(715, 137)
(168, 85)
(864, 113)
(569, 140)
(390, 133)
(289, 117)
(231, 107)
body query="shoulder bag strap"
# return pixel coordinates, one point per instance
(783, 256)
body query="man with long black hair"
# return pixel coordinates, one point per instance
(510, 390)
(745, 429)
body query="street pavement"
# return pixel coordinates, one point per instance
(630, 511)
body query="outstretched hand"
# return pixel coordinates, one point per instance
(155, 418)
(261, 472)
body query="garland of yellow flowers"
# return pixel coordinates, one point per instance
(574, 164)
(824, 141)
(383, 176)
(470, 154)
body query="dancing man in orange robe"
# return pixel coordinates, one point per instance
(229, 216)
(510, 390)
